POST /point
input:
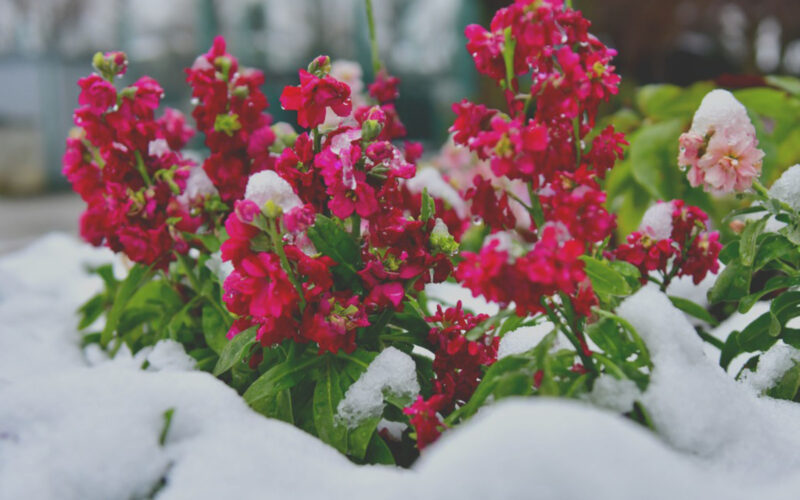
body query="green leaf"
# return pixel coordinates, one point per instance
(662, 101)
(788, 385)
(261, 394)
(772, 247)
(235, 350)
(732, 284)
(136, 278)
(749, 239)
(605, 279)
(428, 208)
(332, 240)
(358, 439)
(653, 154)
(91, 310)
(378, 452)
(327, 394)
(774, 283)
(693, 309)
(215, 329)
(788, 83)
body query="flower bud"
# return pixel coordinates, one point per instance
(320, 66)
(110, 64)
(371, 129)
(441, 239)
(272, 209)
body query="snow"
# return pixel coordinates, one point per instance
(266, 186)
(73, 431)
(772, 365)
(391, 372)
(700, 410)
(787, 187)
(657, 221)
(429, 178)
(198, 184)
(614, 394)
(719, 109)
(523, 339)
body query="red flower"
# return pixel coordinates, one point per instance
(313, 96)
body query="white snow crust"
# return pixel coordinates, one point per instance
(266, 186)
(73, 431)
(391, 372)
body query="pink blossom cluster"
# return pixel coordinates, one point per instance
(230, 112)
(351, 174)
(539, 142)
(679, 245)
(125, 163)
(721, 149)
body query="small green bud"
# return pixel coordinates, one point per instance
(227, 124)
(320, 66)
(272, 209)
(441, 239)
(371, 129)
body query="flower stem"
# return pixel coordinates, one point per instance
(278, 244)
(373, 42)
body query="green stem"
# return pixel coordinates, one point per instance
(317, 140)
(142, 169)
(536, 208)
(373, 42)
(587, 361)
(763, 193)
(278, 244)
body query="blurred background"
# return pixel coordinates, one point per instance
(47, 45)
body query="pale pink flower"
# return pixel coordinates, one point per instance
(721, 149)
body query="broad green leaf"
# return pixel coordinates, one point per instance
(662, 101)
(774, 246)
(235, 350)
(327, 394)
(332, 240)
(749, 239)
(653, 155)
(774, 283)
(91, 310)
(378, 451)
(215, 329)
(693, 309)
(136, 278)
(261, 394)
(358, 439)
(605, 279)
(788, 385)
(732, 284)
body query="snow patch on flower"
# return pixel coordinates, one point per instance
(431, 179)
(267, 186)
(392, 429)
(198, 185)
(221, 269)
(391, 372)
(719, 109)
(158, 148)
(657, 221)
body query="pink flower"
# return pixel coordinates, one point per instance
(721, 148)
(314, 94)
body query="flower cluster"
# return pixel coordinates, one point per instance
(539, 143)
(229, 110)
(125, 163)
(348, 180)
(721, 149)
(458, 366)
(673, 240)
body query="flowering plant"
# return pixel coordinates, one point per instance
(313, 270)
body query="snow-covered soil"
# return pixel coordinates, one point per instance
(69, 430)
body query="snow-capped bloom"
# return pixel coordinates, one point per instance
(266, 186)
(721, 149)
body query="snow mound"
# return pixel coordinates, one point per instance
(787, 187)
(523, 339)
(70, 431)
(391, 372)
(772, 365)
(700, 410)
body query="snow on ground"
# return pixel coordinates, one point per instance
(73, 431)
